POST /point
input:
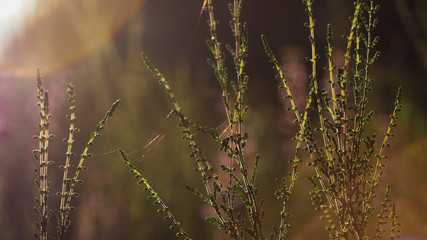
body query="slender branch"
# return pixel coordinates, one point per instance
(66, 181)
(74, 180)
(42, 182)
(155, 196)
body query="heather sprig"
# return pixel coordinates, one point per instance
(347, 172)
(42, 182)
(333, 131)
(222, 195)
(68, 184)
(153, 195)
(66, 181)
(284, 189)
(343, 161)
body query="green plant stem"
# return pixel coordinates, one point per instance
(343, 84)
(219, 58)
(370, 43)
(203, 165)
(311, 23)
(74, 180)
(66, 181)
(302, 121)
(331, 68)
(237, 124)
(155, 196)
(44, 136)
(380, 155)
(221, 74)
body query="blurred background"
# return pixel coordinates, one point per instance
(96, 45)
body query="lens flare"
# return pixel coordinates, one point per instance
(61, 33)
(8, 8)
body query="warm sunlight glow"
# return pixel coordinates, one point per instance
(54, 34)
(9, 7)
(12, 15)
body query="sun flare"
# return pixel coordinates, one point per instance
(8, 7)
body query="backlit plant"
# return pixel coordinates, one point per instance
(223, 195)
(69, 181)
(342, 150)
(334, 131)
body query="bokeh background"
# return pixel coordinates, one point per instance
(96, 44)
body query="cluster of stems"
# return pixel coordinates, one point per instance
(333, 131)
(43, 185)
(347, 172)
(68, 184)
(222, 194)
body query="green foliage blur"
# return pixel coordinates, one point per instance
(96, 44)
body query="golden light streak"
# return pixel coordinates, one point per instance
(61, 33)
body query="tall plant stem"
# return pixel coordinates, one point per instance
(80, 167)
(43, 185)
(311, 23)
(66, 181)
(344, 79)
